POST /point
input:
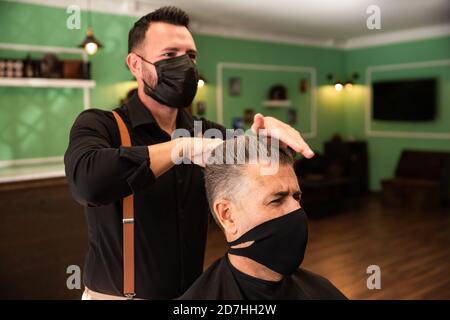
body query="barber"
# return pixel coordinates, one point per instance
(147, 218)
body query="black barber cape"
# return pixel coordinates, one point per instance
(222, 281)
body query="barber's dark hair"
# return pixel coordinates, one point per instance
(168, 14)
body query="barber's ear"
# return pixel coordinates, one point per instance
(134, 64)
(224, 213)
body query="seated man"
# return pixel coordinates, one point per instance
(265, 227)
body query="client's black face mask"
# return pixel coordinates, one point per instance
(279, 244)
(177, 81)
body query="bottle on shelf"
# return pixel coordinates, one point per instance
(28, 70)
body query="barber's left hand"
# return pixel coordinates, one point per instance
(283, 132)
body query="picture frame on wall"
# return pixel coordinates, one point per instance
(234, 86)
(303, 86)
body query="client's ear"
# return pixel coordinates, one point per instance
(224, 212)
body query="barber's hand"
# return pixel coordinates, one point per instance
(283, 132)
(199, 149)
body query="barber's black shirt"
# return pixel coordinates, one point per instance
(171, 211)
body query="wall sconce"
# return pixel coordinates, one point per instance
(201, 81)
(339, 85)
(349, 84)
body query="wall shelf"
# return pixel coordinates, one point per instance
(46, 83)
(277, 103)
(83, 84)
(41, 168)
(44, 49)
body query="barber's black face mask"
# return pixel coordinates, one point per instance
(177, 81)
(279, 244)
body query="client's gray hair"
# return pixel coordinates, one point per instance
(225, 178)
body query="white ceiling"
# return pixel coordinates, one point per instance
(340, 23)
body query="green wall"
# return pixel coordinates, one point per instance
(385, 151)
(34, 123)
(213, 50)
(259, 82)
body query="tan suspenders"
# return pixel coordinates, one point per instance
(128, 223)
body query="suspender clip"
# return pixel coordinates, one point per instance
(127, 221)
(130, 296)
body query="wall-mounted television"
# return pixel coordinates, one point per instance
(404, 100)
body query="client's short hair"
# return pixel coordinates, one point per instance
(227, 178)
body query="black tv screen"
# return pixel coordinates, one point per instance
(404, 100)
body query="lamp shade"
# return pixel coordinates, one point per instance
(90, 43)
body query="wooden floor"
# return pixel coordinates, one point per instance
(44, 231)
(412, 250)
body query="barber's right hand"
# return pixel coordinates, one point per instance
(197, 149)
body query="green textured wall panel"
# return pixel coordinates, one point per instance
(34, 123)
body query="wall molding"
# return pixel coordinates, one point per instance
(368, 105)
(267, 67)
(262, 36)
(379, 39)
(31, 169)
(139, 8)
(31, 161)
